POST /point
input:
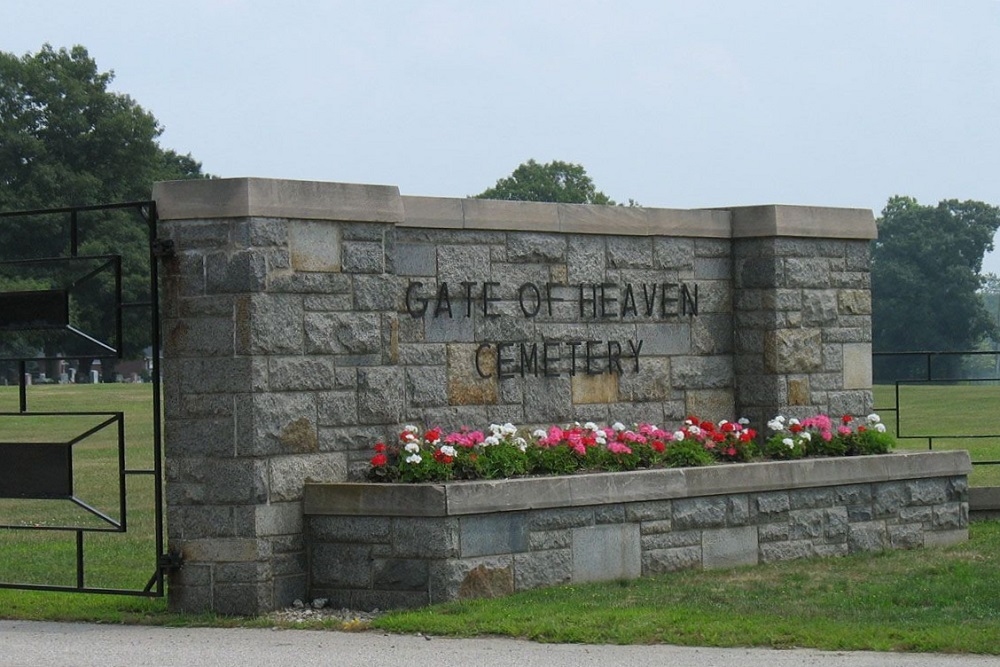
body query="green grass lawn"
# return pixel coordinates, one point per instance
(944, 413)
(112, 559)
(942, 600)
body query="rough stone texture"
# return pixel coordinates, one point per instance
(495, 552)
(292, 344)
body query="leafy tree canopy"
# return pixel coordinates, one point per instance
(66, 140)
(554, 181)
(925, 275)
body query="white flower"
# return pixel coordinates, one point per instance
(412, 447)
(409, 437)
(491, 440)
(540, 433)
(410, 428)
(694, 430)
(414, 459)
(879, 427)
(521, 444)
(601, 439)
(724, 421)
(618, 426)
(788, 442)
(793, 421)
(590, 426)
(781, 418)
(806, 435)
(495, 429)
(873, 418)
(775, 425)
(743, 421)
(447, 450)
(508, 429)
(678, 435)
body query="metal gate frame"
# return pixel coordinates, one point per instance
(162, 562)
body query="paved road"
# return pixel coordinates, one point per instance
(33, 644)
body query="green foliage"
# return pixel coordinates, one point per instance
(66, 140)
(925, 275)
(554, 181)
(551, 461)
(687, 454)
(501, 461)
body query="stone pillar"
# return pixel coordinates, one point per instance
(802, 311)
(253, 324)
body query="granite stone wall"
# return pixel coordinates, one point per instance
(305, 321)
(423, 549)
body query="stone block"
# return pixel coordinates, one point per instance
(945, 538)
(606, 552)
(315, 246)
(701, 512)
(377, 293)
(341, 565)
(342, 333)
(241, 272)
(868, 536)
(380, 395)
(701, 372)
(300, 373)
(289, 474)
(536, 248)
(414, 259)
(664, 339)
(540, 540)
(362, 257)
(400, 574)
(671, 540)
(857, 366)
(771, 552)
(629, 252)
(729, 547)
(793, 350)
(418, 537)
(426, 386)
(602, 389)
(543, 568)
(653, 510)
(659, 561)
(471, 578)
(492, 534)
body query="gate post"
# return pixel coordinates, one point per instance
(243, 385)
(802, 311)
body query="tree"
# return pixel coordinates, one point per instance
(925, 277)
(66, 140)
(554, 181)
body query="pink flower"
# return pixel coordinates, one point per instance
(618, 448)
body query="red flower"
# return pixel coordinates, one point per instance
(707, 426)
(795, 428)
(846, 419)
(718, 437)
(657, 446)
(380, 447)
(433, 435)
(379, 460)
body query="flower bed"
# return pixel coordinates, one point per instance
(508, 451)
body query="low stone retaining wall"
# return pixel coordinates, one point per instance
(393, 545)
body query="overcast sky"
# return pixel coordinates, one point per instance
(673, 104)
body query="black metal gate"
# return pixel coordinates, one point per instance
(81, 475)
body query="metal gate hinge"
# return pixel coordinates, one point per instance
(171, 561)
(163, 248)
